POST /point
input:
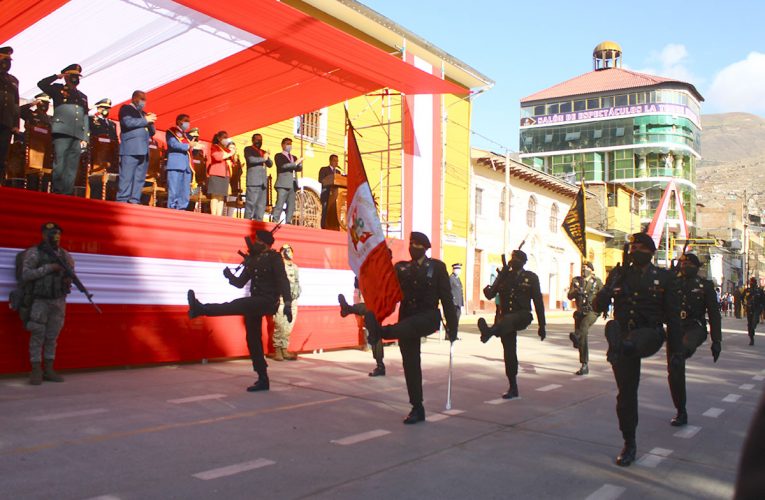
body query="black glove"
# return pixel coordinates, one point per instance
(487, 292)
(228, 274)
(542, 332)
(716, 349)
(288, 311)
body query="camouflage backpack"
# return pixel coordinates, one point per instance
(20, 299)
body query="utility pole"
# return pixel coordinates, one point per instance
(506, 203)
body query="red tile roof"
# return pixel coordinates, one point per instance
(604, 80)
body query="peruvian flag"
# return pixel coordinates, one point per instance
(656, 226)
(368, 253)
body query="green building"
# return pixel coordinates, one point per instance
(617, 126)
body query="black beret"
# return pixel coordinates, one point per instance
(520, 255)
(589, 264)
(692, 259)
(265, 236)
(51, 226)
(72, 69)
(643, 239)
(420, 238)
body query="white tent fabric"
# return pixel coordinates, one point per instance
(123, 45)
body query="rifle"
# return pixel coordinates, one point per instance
(251, 250)
(69, 272)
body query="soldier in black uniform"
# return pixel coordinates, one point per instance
(264, 269)
(37, 116)
(360, 309)
(644, 298)
(516, 288)
(101, 125)
(753, 298)
(697, 300)
(9, 107)
(424, 283)
(583, 290)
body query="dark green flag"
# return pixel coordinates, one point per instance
(574, 224)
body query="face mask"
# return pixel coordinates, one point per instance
(640, 258)
(225, 141)
(74, 80)
(104, 112)
(516, 264)
(690, 271)
(587, 272)
(140, 104)
(288, 148)
(416, 253)
(257, 144)
(53, 238)
(5, 65)
(185, 126)
(43, 108)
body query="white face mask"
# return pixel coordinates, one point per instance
(185, 126)
(288, 148)
(225, 141)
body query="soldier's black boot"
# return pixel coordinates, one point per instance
(416, 415)
(195, 307)
(36, 377)
(261, 385)
(512, 391)
(751, 340)
(614, 338)
(373, 327)
(379, 371)
(49, 374)
(486, 331)
(627, 455)
(574, 340)
(584, 370)
(345, 308)
(680, 419)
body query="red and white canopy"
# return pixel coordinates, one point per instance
(232, 65)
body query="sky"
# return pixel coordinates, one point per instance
(527, 46)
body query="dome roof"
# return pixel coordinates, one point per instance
(606, 46)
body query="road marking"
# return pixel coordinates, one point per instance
(358, 438)
(759, 378)
(354, 377)
(18, 385)
(687, 432)
(713, 412)
(746, 387)
(230, 470)
(654, 457)
(194, 399)
(607, 492)
(662, 452)
(453, 411)
(437, 417)
(550, 387)
(105, 497)
(498, 401)
(69, 414)
(731, 398)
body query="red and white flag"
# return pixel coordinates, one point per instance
(368, 253)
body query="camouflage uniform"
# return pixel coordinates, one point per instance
(49, 290)
(282, 327)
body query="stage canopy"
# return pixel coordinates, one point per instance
(232, 65)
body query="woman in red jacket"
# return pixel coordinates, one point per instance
(219, 171)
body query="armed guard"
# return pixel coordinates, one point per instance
(424, 283)
(47, 284)
(754, 299)
(264, 269)
(697, 300)
(644, 298)
(583, 290)
(517, 288)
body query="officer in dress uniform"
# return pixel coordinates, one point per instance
(38, 115)
(517, 289)
(71, 128)
(697, 300)
(582, 290)
(264, 269)
(101, 125)
(424, 283)
(644, 298)
(754, 299)
(9, 107)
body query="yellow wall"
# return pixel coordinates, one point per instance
(456, 196)
(596, 253)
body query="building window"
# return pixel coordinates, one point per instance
(312, 126)
(478, 200)
(531, 213)
(554, 223)
(502, 204)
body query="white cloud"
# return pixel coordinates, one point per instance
(672, 54)
(671, 62)
(739, 86)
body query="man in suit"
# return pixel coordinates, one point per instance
(257, 160)
(286, 181)
(71, 130)
(324, 174)
(9, 106)
(179, 147)
(102, 126)
(137, 129)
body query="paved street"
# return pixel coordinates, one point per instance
(327, 430)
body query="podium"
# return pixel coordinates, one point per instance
(337, 184)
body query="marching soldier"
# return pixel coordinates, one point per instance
(360, 309)
(424, 283)
(38, 115)
(264, 269)
(517, 288)
(102, 126)
(49, 286)
(282, 327)
(697, 300)
(71, 130)
(754, 299)
(9, 107)
(644, 298)
(583, 290)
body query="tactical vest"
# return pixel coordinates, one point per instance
(52, 285)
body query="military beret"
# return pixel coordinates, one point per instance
(43, 97)
(643, 239)
(520, 254)
(692, 259)
(5, 52)
(421, 238)
(265, 236)
(589, 265)
(51, 226)
(104, 103)
(72, 69)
